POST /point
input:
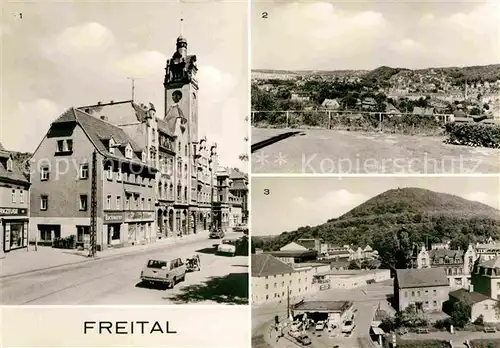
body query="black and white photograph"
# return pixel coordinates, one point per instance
(375, 87)
(375, 261)
(124, 153)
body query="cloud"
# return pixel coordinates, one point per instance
(485, 198)
(141, 64)
(344, 36)
(330, 205)
(23, 131)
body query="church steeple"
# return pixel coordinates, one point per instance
(182, 43)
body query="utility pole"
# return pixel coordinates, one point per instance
(133, 86)
(93, 207)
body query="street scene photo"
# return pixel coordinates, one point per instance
(124, 154)
(375, 262)
(374, 87)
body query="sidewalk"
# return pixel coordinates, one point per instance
(25, 261)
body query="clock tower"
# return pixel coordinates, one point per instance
(181, 89)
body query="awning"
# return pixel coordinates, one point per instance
(378, 331)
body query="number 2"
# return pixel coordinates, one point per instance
(264, 14)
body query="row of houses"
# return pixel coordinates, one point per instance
(146, 176)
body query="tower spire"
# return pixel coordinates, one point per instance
(182, 25)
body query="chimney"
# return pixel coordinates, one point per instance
(104, 118)
(471, 288)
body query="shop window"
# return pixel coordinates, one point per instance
(84, 171)
(83, 203)
(45, 235)
(81, 231)
(44, 202)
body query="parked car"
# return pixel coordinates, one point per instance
(304, 340)
(164, 272)
(240, 228)
(348, 326)
(217, 234)
(320, 326)
(228, 246)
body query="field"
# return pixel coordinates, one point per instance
(334, 151)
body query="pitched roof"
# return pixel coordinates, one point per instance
(99, 131)
(441, 253)
(293, 253)
(493, 263)
(16, 174)
(264, 265)
(416, 278)
(469, 298)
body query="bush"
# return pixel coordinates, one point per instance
(479, 320)
(64, 243)
(489, 343)
(473, 134)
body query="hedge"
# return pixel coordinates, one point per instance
(473, 134)
(422, 344)
(485, 343)
(64, 243)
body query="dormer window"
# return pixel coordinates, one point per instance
(128, 151)
(64, 146)
(112, 146)
(9, 164)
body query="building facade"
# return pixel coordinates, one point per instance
(272, 279)
(14, 205)
(485, 278)
(62, 171)
(427, 289)
(457, 264)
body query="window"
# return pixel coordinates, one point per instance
(83, 202)
(111, 146)
(142, 203)
(44, 173)
(434, 292)
(109, 173)
(267, 286)
(108, 202)
(84, 171)
(486, 306)
(44, 202)
(69, 145)
(81, 231)
(434, 303)
(144, 156)
(14, 196)
(118, 202)
(127, 203)
(413, 294)
(185, 150)
(60, 146)
(149, 203)
(9, 164)
(406, 293)
(128, 151)
(119, 174)
(21, 196)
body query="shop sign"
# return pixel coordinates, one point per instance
(113, 216)
(13, 211)
(139, 215)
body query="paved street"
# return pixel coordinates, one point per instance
(115, 281)
(334, 151)
(366, 299)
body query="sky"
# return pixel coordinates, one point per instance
(293, 202)
(313, 35)
(73, 54)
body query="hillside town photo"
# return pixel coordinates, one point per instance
(138, 200)
(375, 262)
(375, 87)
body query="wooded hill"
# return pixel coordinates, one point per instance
(423, 215)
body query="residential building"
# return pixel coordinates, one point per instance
(426, 288)
(331, 104)
(14, 204)
(489, 250)
(485, 278)
(61, 177)
(478, 304)
(239, 189)
(295, 256)
(457, 264)
(272, 279)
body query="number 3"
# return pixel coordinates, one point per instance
(264, 14)
(267, 192)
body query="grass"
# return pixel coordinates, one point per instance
(488, 343)
(333, 151)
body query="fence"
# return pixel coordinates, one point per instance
(351, 120)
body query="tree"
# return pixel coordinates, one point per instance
(354, 265)
(460, 314)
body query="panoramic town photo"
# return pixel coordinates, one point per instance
(374, 87)
(124, 154)
(375, 262)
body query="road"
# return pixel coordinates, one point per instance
(366, 300)
(115, 281)
(335, 151)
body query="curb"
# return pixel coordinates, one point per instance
(88, 260)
